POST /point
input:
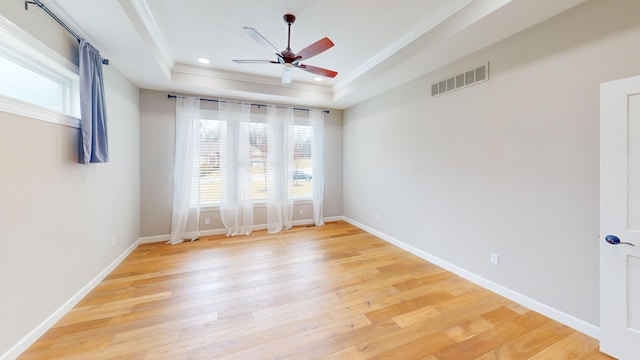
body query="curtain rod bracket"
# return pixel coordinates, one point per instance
(39, 4)
(26, 4)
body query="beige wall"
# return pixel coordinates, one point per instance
(156, 179)
(509, 166)
(57, 218)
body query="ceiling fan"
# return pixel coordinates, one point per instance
(287, 57)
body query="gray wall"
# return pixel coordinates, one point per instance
(157, 139)
(58, 217)
(509, 166)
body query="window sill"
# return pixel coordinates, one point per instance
(258, 205)
(21, 108)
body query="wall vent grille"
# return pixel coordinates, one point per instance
(472, 76)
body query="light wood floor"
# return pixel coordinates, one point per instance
(333, 292)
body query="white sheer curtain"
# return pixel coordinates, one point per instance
(186, 171)
(236, 208)
(280, 179)
(316, 118)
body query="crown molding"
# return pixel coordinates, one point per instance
(240, 84)
(441, 14)
(181, 68)
(140, 16)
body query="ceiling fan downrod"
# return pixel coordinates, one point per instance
(289, 19)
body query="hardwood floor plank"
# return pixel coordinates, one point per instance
(338, 342)
(500, 315)
(331, 292)
(419, 348)
(416, 316)
(573, 346)
(468, 329)
(533, 342)
(407, 305)
(492, 339)
(300, 338)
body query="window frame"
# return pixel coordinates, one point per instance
(211, 114)
(26, 51)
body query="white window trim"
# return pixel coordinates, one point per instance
(210, 114)
(23, 43)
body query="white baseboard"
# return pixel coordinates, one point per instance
(544, 309)
(153, 239)
(334, 219)
(44, 326)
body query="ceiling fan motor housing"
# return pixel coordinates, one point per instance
(289, 19)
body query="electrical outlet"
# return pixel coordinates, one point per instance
(301, 212)
(113, 241)
(495, 259)
(377, 217)
(206, 221)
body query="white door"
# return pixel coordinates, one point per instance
(620, 218)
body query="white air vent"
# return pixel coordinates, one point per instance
(467, 78)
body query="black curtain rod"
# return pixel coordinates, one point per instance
(39, 4)
(252, 104)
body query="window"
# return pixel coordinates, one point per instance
(27, 85)
(211, 156)
(213, 160)
(259, 160)
(36, 81)
(303, 166)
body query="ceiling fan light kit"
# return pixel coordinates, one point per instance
(287, 57)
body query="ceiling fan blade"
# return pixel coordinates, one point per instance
(317, 70)
(260, 39)
(255, 62)
(314, 49)
(286, 75)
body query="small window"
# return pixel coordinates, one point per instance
(27, 85)
(36, 81)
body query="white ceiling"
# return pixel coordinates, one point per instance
(379, 44)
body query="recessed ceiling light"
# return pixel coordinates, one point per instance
(318, 79)
(203, 60)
